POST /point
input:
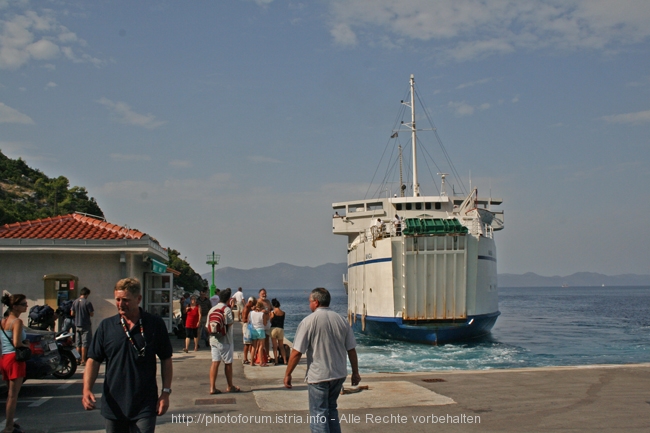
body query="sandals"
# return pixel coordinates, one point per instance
(185, 350)
(246, 362)
(216, 391)
(17, 429)
(234, 389)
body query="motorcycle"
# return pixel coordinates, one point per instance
(46, 358)
(69, 356)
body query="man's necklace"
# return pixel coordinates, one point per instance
(140, 352)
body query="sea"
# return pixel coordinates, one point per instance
(538, 327)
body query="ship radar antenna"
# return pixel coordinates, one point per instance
(443, 193)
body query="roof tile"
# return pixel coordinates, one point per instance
(71, 226)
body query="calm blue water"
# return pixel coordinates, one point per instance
(537, 327)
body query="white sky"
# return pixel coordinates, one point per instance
(233, 125)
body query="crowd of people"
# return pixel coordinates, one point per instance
(132, 341)
(263, 324)
(76, 318)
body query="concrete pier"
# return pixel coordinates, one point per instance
(600, 398)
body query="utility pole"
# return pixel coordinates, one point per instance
(213, 259)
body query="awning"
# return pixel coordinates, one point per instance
(158, 267)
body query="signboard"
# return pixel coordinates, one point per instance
(158, 267)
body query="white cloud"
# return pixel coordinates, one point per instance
(50, 85)
(123, 113)
(178, 163)
(186, 190)
(37, 36)
(468, 29)
(343, 34)
(634, 118)
(25, 150)
(262, 2)
(43, 50)
(11, 115)
(465, 109)
(461, 108)
(473, 83)
(15, 148)
(258, 159)
(129, 157)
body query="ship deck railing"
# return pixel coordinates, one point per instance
(421, 227)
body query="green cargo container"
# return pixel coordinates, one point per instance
(432, 226)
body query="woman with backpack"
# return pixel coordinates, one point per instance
(13, 371)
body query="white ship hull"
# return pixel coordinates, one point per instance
(430, 287)
(429, 275)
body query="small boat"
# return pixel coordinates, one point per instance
(420, 268)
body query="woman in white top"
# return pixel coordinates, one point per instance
(13, 372)
(259, 319)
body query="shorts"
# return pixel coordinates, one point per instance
(84, 335)
(220, 351)
(278, 334)
(12, 369)
(246, 331)
(191, 332)
(257, 334)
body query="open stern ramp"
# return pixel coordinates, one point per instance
(430, 277)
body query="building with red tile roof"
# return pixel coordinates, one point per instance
(72, 226)
(51, 259)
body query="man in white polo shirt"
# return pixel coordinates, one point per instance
(326, 338)
(239, 301)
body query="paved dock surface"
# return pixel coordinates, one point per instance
(603, 398)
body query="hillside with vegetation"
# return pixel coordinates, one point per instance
(188, 279)
(27, 194)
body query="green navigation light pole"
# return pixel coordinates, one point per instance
(213, 259)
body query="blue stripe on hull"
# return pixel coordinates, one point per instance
(427, 333)
(370, 262)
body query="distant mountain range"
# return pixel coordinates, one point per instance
(579, 279)
(286, 276)
(281, 276)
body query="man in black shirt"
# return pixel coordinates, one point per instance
(129, 342)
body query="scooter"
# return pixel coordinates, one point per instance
(69, 356)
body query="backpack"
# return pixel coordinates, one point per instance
(39, 313)
(65, 307)
(216, 323)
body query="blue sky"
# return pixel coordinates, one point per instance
(233, 125)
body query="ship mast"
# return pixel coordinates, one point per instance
(416, 185)
(401, 181)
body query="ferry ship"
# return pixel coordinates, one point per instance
(421, 268)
